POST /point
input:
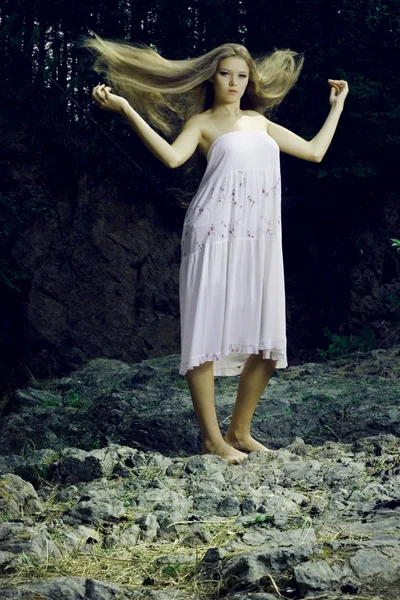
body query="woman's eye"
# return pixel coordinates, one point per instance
(225, 73)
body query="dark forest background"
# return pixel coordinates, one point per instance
(90, 225)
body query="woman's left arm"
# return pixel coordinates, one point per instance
(315, 149)
(320, 143)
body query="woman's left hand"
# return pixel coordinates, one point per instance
(339, 91)
(103, 97)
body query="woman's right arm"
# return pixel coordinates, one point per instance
(172, 155)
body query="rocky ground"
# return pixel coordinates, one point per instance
(104, 495)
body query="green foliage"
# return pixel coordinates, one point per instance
(4, 518)
(396, 243)
(71, 399)
(171, 570)
(74, 400)
(56, 535)
(50, 401)
(261, 520)
(42, 471)
(343, 345)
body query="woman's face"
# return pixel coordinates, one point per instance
(232, 74)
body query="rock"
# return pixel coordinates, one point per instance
(18, 497)
(8, 463)
(245, 526)
(297, 446)
(147, 407)
(264, 537)
(314, 576)
(96, 508)
(206, 504)
(68, 588)
(68, 493)
(197, 536)
(8, 561)
(380, 564)
(206, 463)
(77, 465)
(130, 535)
(19, 539)
(35, 467)
(149, 527)
(228, 507)
(211, 561)
(83, 537)
(170, 524)
(252, 567)
(248, 506)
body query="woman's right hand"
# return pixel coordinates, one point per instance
(104, 99)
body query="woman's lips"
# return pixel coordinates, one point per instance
(233, 91)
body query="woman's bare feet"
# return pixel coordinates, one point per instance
(225, 451)
(245, 443)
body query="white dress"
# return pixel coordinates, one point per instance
(231, 277)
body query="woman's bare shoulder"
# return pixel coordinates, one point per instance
(202, 121)
(193, 120)
(255, 113)
(200, 117)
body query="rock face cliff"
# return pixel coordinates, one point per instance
(99, 249)
(104, 279)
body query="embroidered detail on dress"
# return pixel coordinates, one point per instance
(194, 225)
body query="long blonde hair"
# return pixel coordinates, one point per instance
(167, 92)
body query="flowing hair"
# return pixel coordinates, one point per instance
(168, 92)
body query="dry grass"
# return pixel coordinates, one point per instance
(139, 566)
(129, 567)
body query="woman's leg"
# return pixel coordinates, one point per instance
(253, 380)
(201, 385)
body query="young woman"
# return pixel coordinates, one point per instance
(231, 284)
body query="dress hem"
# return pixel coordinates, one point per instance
(243, 351)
